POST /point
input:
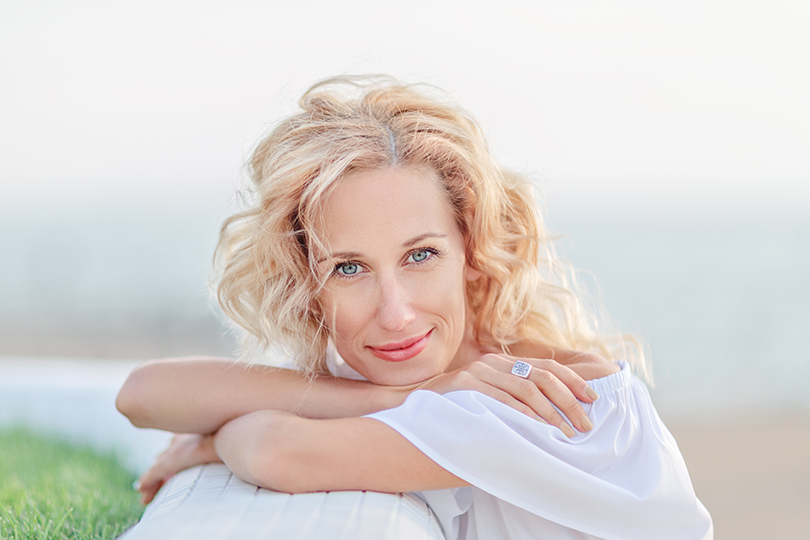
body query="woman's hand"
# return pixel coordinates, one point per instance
(184, 451)
(549, 382)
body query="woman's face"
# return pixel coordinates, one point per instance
(394, 298)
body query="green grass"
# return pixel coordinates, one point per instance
(52, 490)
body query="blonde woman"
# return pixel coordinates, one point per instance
(437, 336)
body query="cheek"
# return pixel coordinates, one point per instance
(447, 295)
(343, 312)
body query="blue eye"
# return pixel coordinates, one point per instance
(347, 269)
(421, 255)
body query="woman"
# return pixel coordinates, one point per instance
(386, 246)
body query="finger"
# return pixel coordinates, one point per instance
(575, 383)
(505, 390)
(548, 416)
(539, 390)
(148, 492)
(529, 393)
(151, 477)
(562, 397)
(499, 394)
(170, 461)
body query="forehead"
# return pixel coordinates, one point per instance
(395, 203)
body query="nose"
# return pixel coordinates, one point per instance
(394, 309)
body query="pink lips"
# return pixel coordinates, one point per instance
(402, 350)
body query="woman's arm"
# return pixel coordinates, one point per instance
(200, 395)
(284, 452)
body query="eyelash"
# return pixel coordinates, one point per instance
(433, 252)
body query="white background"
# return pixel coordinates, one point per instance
(697, 106)
(672, 141)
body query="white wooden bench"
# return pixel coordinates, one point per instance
(209, 502)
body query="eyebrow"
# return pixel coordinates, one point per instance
(416, 239)
(357, 255)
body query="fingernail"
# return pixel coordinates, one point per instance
(585, 422)
(591, 393)
(567, 430)
(136, 485)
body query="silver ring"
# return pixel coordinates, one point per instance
(521, 369)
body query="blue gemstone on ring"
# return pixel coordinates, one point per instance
(521, 369)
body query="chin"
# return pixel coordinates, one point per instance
(403, 377)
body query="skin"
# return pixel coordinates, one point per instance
(392, 284)
(208, 398)
(396, 276)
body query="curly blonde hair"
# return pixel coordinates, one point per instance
(268, 284)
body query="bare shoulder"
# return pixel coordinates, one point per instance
(587, 365)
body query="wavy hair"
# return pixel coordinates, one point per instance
(267, 280)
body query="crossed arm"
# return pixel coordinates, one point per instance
(278, 429)
(200, 395)
(288, 453)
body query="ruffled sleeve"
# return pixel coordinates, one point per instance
(625, 479)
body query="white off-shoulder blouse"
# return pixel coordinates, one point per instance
(625, 479)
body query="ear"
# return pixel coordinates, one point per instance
(471, 274)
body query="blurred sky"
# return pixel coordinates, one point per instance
(672, 141)
(616, 106)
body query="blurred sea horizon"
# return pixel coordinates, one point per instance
(721, 302)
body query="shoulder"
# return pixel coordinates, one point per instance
(587, 365)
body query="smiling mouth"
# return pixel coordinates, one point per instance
(405, 350)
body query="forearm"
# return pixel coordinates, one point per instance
(239, 445)
(201, 395)
(287, 453)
